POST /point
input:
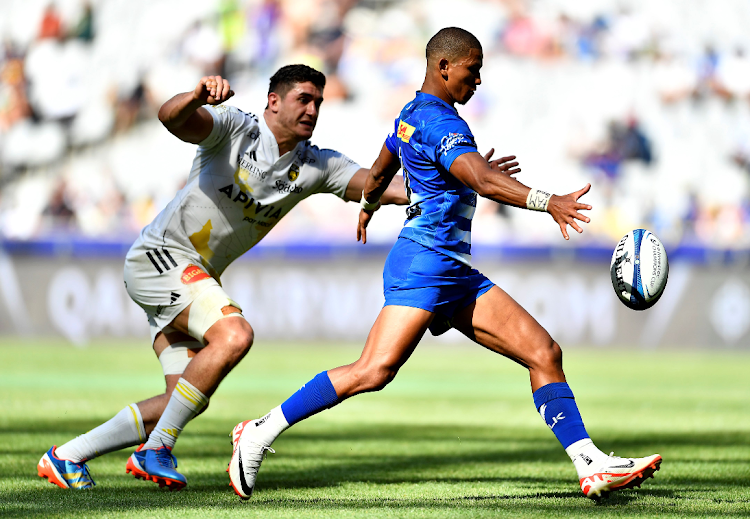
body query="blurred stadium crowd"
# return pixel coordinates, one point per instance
(646, 99)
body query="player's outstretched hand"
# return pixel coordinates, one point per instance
(564, 209)
(364, 220)
(213, 90)
(503, 164)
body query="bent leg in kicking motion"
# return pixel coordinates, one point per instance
(499, 323)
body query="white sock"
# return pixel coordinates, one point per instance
(268, 428)
(186, 402)
(586, 457)
(125, 429)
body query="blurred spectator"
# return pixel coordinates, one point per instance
(84, 29)
(14, 105)
(557, 74)
(625, 142)
(733, 76)
(58, 215)
(264, 25)
(706, 71)
(675, 78)
(133, 106)
(523, 36)
(51, 25)
(203, 47)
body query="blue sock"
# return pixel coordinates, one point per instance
(313, 397)
(556, 404)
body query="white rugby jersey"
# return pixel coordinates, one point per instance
(238, 190)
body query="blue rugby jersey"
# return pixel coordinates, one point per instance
(428, 136)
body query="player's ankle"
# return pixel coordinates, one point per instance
(586, 457)
(270, 426)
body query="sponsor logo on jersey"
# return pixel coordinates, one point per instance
(292, 174)
(405, 131)
(304, 158)
(283, 187)
(251, 168)
(193, 273)
(452, 140)
(246, 201)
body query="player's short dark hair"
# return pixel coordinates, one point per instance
(286, 77)
(451, 43)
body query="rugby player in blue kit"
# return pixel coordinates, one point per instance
(429, 282)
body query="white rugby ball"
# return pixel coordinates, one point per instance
(639, 269)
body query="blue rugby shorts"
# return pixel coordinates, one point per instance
(419, 277)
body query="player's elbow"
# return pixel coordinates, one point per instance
(484, 184)
(163, 114)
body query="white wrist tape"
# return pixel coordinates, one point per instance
(537, 200)
(367, 206)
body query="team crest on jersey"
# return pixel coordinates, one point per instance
(193, 273)
(405, 131)
(293, 173)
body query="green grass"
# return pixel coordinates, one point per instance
(455, 435)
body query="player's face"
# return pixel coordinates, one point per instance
(298, 110)
(463, 76)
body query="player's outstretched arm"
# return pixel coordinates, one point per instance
(476, 172)
(394, 194)
(183, 116)
(379, 188)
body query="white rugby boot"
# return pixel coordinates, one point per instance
(618, 474)
(247, 454)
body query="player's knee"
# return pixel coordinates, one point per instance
(238, 339)
(372, 377)
(547, 355)
(382, 377)
(379, 376)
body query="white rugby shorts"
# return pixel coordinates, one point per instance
(165, 282)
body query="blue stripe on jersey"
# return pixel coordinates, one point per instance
(429, 135)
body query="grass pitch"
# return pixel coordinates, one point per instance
(455, 435)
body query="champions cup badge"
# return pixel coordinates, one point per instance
(293, 173)
(192, 274)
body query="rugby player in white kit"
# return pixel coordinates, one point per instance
(248, 172)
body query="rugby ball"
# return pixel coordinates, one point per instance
(639, 269)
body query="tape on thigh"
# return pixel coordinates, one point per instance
(205, 310)
(175, 357)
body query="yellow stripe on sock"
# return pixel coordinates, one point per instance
(174, 433)
(189, 395)
(195, 394)
(189, 391)
(137, 425)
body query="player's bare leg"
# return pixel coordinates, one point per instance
(226, 343)
(497, 322)
(392, 339)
